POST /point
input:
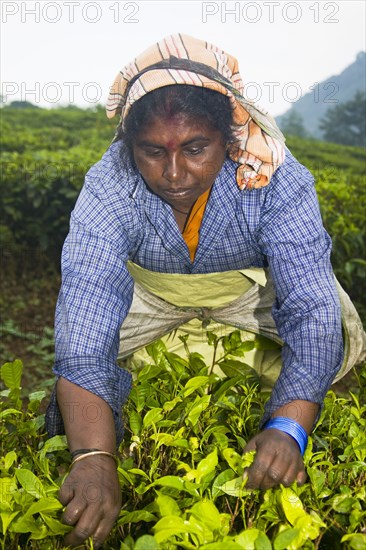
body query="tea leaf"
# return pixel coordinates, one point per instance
(356, 541)
(221, 479)
(37, 395)
(8, 412)
(55, 526)
(135, 422)
(198, 382)
(7, 518)
(234, 487)
(307, 526)
(156, 351)
(139, 472)
(30, 483)
(211, 338)
(56, 443)
(207, 465)
(291, 505)
(344, 504)
(284, 539)
(227, 384)
(146, 542)
(42, 505)
(170, 526)
(234, 460)
(207, 512)
(135, 517)
(317, 479)
(9, 459)
(29, 525)
(167, 505)
(148, 372)
(247, 459)
(197, 363)
(200, 404)
(169, 405)
(11, 373)
(174, 482)
(152, 417)
(253, 539)
(233, 368)
(178, 364)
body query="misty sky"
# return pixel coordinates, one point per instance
(70, 51)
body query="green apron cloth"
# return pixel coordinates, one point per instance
(198, 290)
(166, 306)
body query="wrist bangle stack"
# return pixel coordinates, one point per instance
(85, 453)
(290, 427)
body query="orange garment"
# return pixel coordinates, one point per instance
(191, 230)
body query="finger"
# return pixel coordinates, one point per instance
(281, 471)
(73, 511)
(289, 478)
(103, 530)
(301, 477)
(275, 473)
(85, 527)
(67, 492)
(250, 446)
(257, 471)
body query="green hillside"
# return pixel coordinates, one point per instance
(334, 90)
(329, 157)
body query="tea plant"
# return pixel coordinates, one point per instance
(181, 464)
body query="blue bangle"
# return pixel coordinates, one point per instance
(290, 427)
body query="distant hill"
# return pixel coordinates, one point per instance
(333, 91)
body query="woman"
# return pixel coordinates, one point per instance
(196, 211)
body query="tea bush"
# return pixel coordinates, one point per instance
(45, 155)
(181, 464)
(341, 187)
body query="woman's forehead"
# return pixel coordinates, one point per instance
(180, 128)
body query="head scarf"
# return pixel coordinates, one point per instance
(182, 59)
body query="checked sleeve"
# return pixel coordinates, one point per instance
(307, 310)
(94, 299)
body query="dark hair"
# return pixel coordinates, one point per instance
(196, 102)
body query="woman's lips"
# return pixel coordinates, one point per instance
(178, 193)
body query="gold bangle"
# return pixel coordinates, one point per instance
(94, 453)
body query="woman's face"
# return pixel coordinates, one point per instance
(179, 158)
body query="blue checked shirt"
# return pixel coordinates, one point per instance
(117, 218)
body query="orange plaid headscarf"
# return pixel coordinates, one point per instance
(181, 59)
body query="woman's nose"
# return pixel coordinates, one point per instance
(173, 169)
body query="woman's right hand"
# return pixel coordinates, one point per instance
(91, 492)
(92, 496)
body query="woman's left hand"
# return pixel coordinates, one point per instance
(277, 460)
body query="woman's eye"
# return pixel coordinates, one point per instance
(153, 152)
(194, 150)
